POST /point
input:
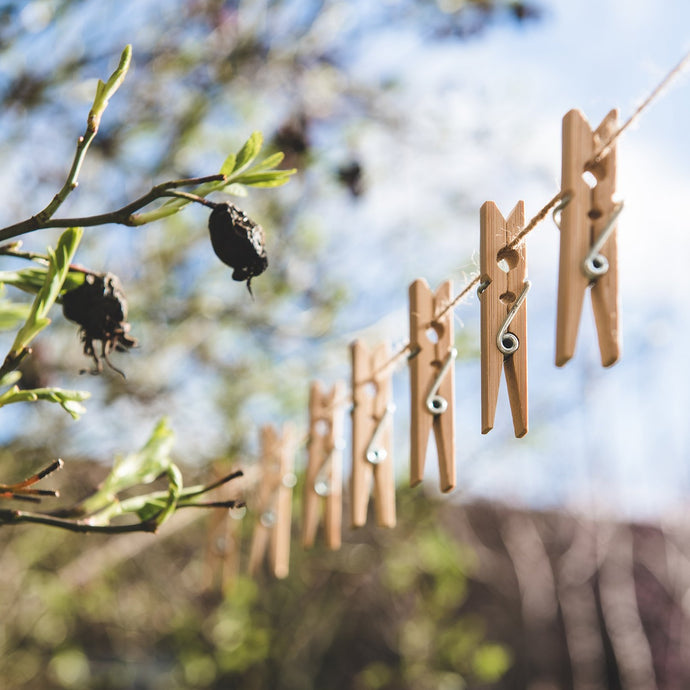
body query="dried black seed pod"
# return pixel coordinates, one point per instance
(99, 306)
(238, 242)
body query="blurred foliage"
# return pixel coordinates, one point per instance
(385, 612)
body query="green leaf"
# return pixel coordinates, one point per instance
(27, 279)
(31, 280)
(236, 189)
(145, 509)
(271, 178)
(104, 91)
(228, 165)
(248, 152)
(10, 378)
(146, 465)
(56, 273)
(28, 332)
(69, 400)
(73, 408)
(157, 505)
(239, 173)
(270, 162)
(174, 491)
(11, 314)
(141, 467)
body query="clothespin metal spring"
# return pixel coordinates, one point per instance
(595, 264)
(376, 454)
(507, 342)
(437, 404)
(322, 481)
(268, 517)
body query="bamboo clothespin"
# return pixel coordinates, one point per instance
(588, 254)
(372, 458)
(432, 379)
(502, 294)
(324, 468)
(274, 501)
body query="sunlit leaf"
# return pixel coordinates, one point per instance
(12, 314)
(174, 490)
(10, 378)
(228, 165)
(272, 178)
(140, 467)
(236, 189)
(56, 273)
(270, 162)
(69, 400)
(248, 152)
(31, 280)
(104, 91)
(145, 465)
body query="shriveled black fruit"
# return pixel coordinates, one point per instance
(99, 306)
(238, 242)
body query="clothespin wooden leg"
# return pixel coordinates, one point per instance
(280, 536)
(605, 295)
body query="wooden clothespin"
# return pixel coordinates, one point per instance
(502, 295)
(372, 413)
(588, 254)
(324, 481)
(432, 379)
(274, 501)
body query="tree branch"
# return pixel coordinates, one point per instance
(122, 216)
(13, 517)
(103, 93)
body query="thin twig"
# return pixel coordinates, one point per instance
(121, 216)
(93, 121)
(14, 517)
(214, 485)
(213, 504)
(191, 197)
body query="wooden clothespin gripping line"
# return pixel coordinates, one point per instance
(324, 481)
(372, 413)
(274, 501)
(502, 294)
(588, 254)
(432, 380)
